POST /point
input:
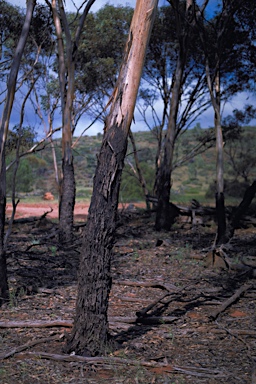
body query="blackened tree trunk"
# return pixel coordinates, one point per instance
(90, 331)
(215, 63)
(11, 85)
(141, 178)
(4, 294)
(241, 210)
(67, 53)
(67, 201)
(214, 89)
(164, 214)
(220, 199)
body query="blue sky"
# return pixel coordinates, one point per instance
(206, 120)
(96, 6)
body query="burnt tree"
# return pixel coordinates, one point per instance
(90, 331)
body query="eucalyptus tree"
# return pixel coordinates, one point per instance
(229, 53)
(180, 80)
(67, 47)
(90, 330)
(11, 20)
(239, 149)
(100, 54)
(5, 119)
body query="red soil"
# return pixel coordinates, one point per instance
(38, 209)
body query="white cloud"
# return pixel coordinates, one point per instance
(237, 102)
(95, 7)
(70, 7)
(206, 119)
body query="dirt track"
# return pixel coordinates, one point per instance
(38, 209)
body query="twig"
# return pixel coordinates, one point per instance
(230, 301)
(201, 372)
(144, 311)
(237, 337)
(151, 284)
(36, 324)
(27, 345)
(43, 216)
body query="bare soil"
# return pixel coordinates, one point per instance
(38, 209)
(166, 308)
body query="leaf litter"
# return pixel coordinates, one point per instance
(160, 308)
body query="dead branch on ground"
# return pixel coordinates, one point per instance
(230, 301)
(28, 345)
(110, 361)
(149, 284)
(69, 323)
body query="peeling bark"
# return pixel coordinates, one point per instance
(90, 332)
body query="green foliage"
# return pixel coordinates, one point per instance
(193, 180)
(23, 137)
(10, 28)
(101, 49)
(24, 178)
(130, 187)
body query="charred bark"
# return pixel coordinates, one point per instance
(4, 127)
(90, 332)
(164, 219)
(241, 209)
(67, 202)
(4, 292)
(221, 237)
(141, 178)
(67, 52)
(94, 276)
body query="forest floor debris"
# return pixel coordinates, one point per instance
(161, 308)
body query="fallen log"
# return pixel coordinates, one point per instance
(69, 323)
(230, 301)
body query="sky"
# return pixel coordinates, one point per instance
(206, 119)
(69, 3)
(96, 6)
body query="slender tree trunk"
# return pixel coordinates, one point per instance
(67, 89)
(240, 211)
(164, 214)
(142, 180)
(16, 165)
(219, 197)
(90, 331)
(3, 136)
(4, 294)
(55, 165)
(68, 187)
(220, 200)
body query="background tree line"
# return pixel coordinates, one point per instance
(192, 179)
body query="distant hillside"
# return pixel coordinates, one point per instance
(195, 179)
